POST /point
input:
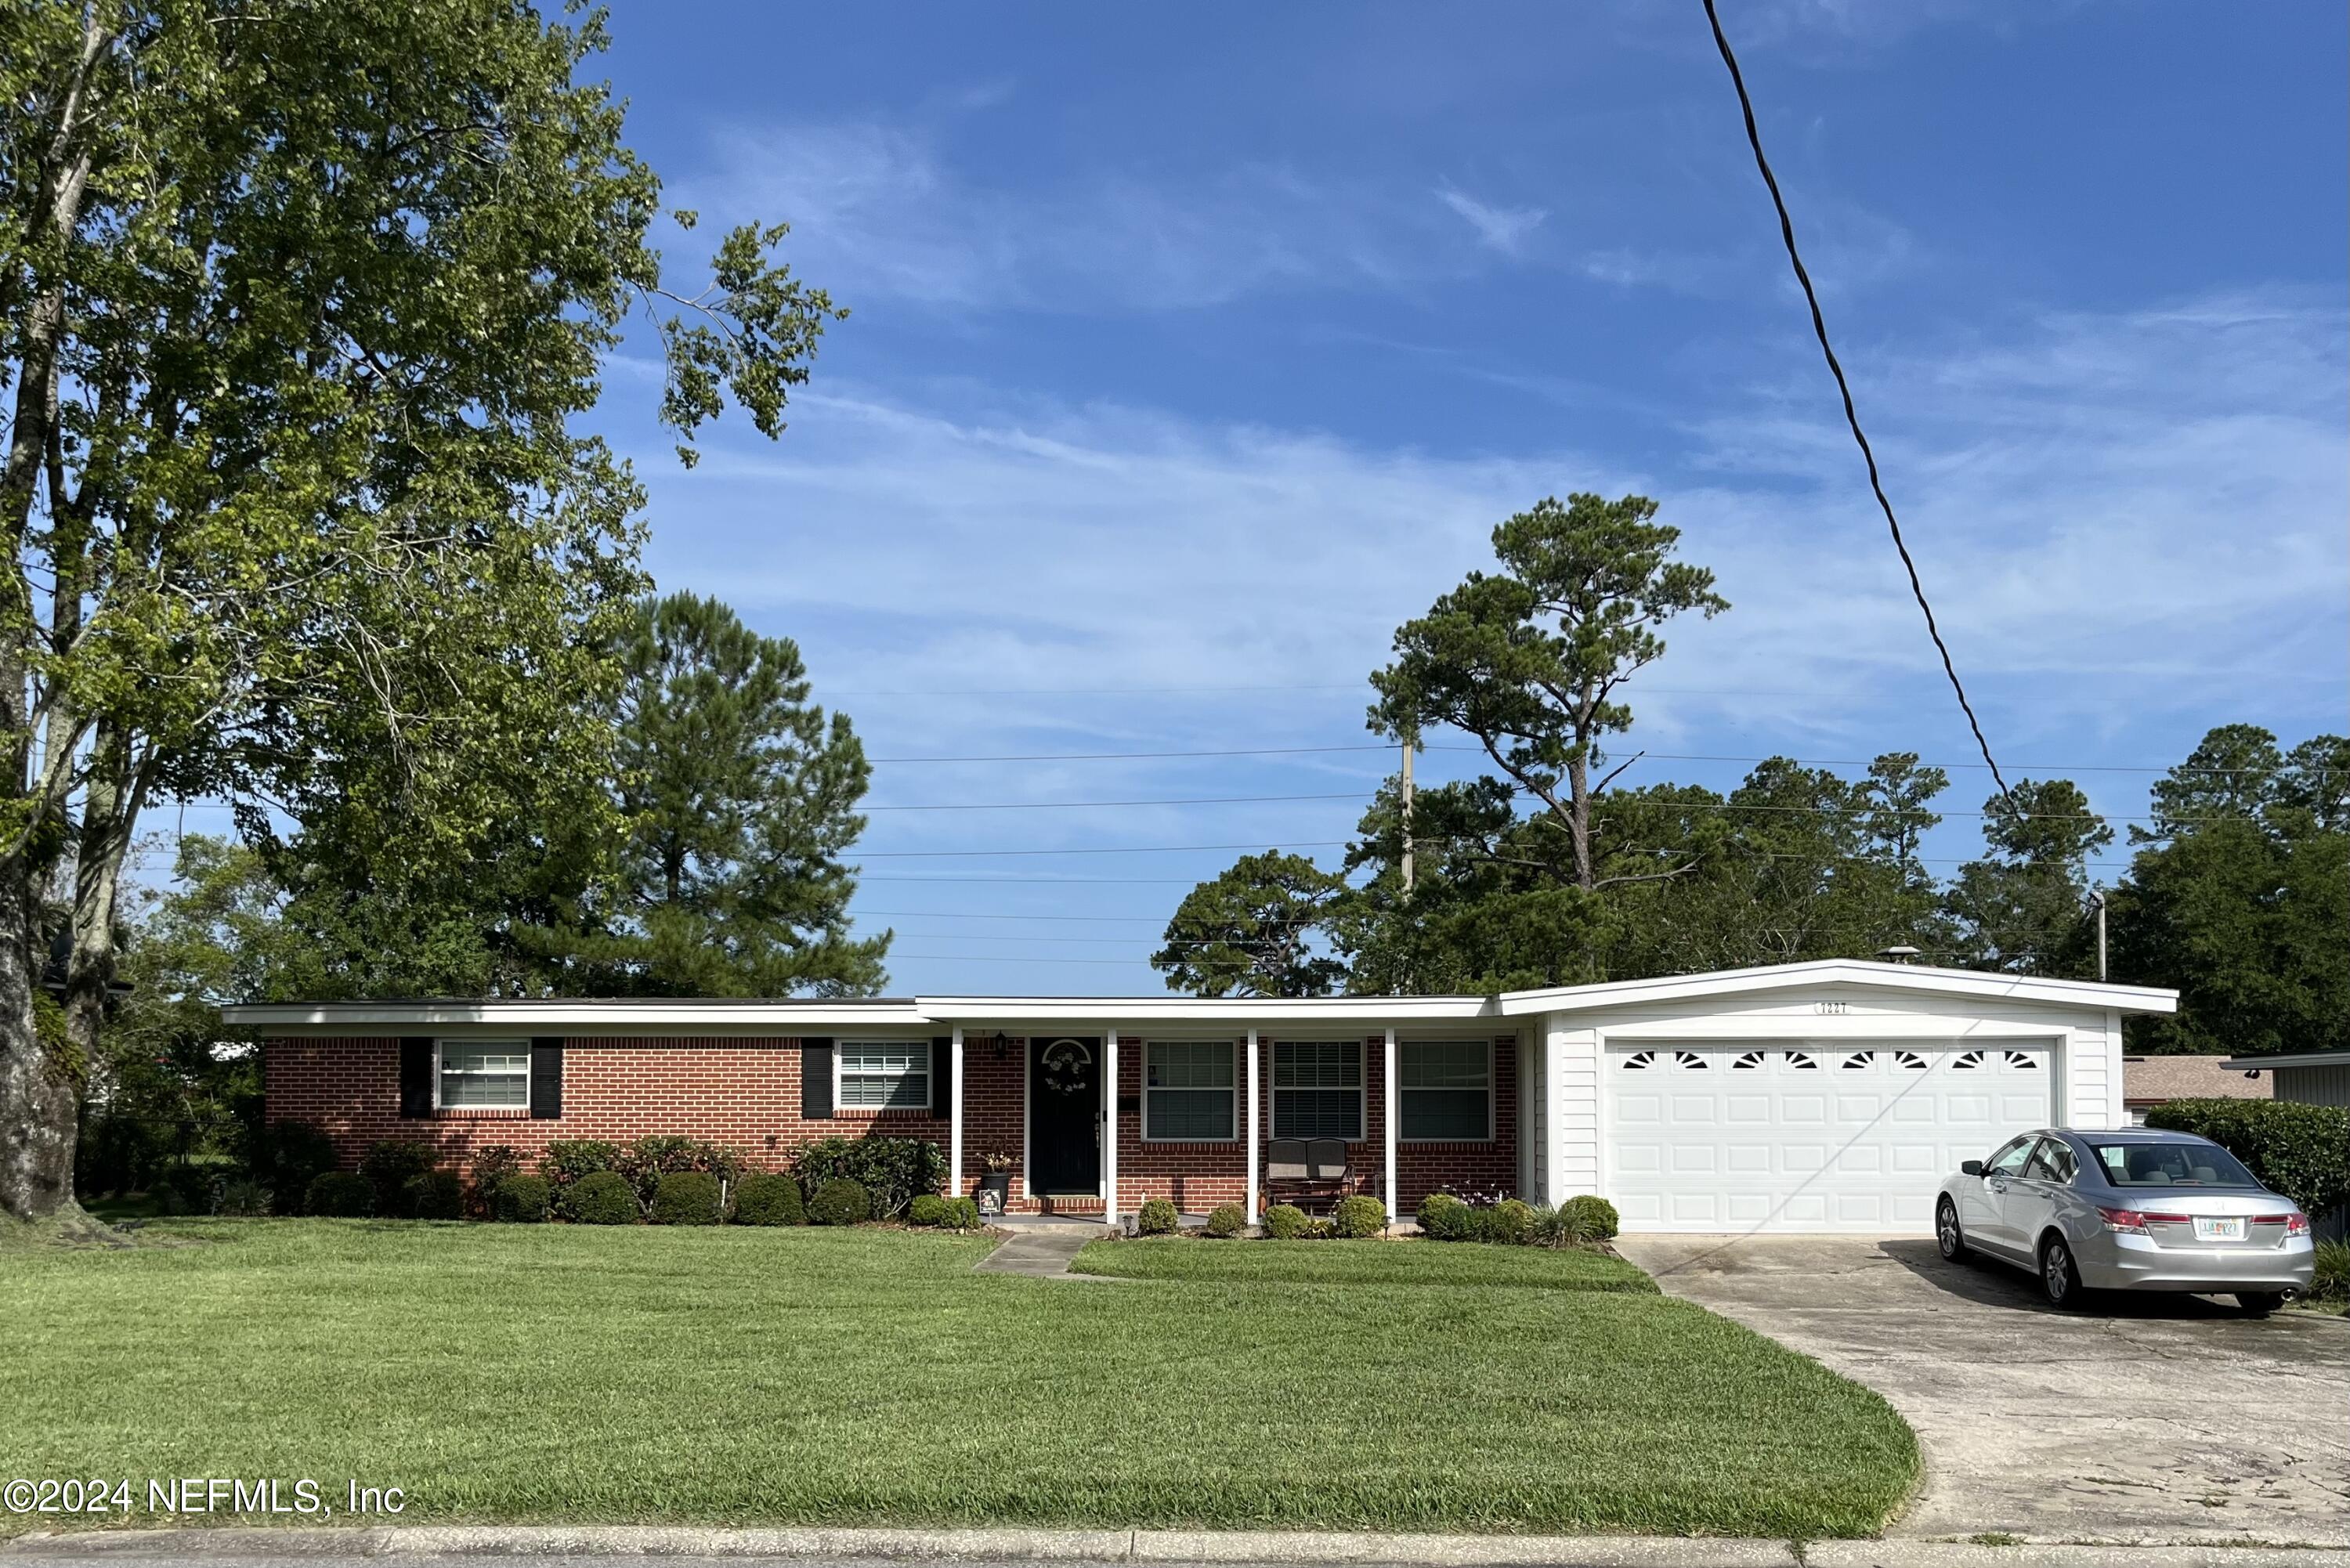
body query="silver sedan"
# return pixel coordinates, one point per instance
(2127, 1210)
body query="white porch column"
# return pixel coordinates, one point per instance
(1110, 1126)
(1390, 1099)
(955, 1113)
(1251, 1132)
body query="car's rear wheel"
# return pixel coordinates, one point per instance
(2260, 1303)
(2059, 1277)
(1947, 1233)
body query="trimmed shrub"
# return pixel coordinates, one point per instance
(647, 1160)
(892, 1170)
(289, 1156)
(341, 1195)
(1509, 1223)
(571, 1160)
(769, 1200)
(522, 1199)
(602, 1197)
(2331, 1282)
(436, 1195)
(497, 1163)
(687, 1198)
(839, 1201)
(1357, 1216)
(1157, 1217)
(243, 1198)
(963, 1214)
(1594, 1219)
(1227, 1220)
(391, 1165)
(2302, 1151)
(1286, 1222)
(927, 1209)
(1443, 1218)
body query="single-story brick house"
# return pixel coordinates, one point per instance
(1830, 1095)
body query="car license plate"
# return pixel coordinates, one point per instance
(2208, 1230)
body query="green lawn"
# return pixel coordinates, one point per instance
(1436, 1263)
(741, 1376)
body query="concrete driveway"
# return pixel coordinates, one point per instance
(2146, 1419)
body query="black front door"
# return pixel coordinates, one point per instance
(1063, 1116)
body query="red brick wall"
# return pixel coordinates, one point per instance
(747, 1094)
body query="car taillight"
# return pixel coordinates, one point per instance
(2124, 1219)
(2296, 1223)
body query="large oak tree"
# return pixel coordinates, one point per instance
(299, 302)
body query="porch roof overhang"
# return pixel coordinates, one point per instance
(1889, 978)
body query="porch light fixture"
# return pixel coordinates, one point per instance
(1000, 1045)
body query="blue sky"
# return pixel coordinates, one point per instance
(1193, 349)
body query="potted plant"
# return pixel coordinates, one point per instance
(996, 1187)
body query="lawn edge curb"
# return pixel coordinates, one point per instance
(1167, 1546)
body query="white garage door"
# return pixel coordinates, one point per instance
(1856, 1136)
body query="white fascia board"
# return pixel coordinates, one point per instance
(1883, 977)
(573, 1017)
(1237, 1011)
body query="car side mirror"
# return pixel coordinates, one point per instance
(1970, 1168)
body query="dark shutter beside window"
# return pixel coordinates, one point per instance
(546, 1078)
(416, 1076)
(815, 1080)
(943, 1076)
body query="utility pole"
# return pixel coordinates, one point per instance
(2098, 896)
(1406, 814)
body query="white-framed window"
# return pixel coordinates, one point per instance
(482, 1075)
(1447, 1087)
(1188, 1091)
(883, 1075)
(1317, 1088)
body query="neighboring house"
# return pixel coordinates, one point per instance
(2149, 1081)
(1820, 1096)
(2310, 1077)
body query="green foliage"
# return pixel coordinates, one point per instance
(241, 1197)
(2330, 1279)
(927, 1209)
(491, 1166)
(962, 1213)
(892, 1170)
(289, 1156)
(569, 1161)
(2302, 1151)
(647, 1159)
(1592, 1217)
(434, 1195)
(767, 1198)
(1358, 1215)
(1226, 1219)
(601, 1198)
(522, 1199)
(1509, 1223)
(391, 1165)
(687, 1198)
(339, 1194)
(1252, 931)
(839, 1201)
(1157, 1217)
(739, 799)
(2240, 897)
(1286, 1222)
(1443, 1218)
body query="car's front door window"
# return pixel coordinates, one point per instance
(2011, 1159)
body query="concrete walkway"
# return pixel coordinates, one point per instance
(1042, 1249)
(2143, 1418)
(654, 1546)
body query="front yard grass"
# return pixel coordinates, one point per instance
(1445, 1264)
(742, 1376)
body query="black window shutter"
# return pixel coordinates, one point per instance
(416, 1076)
(815, 1080)
(546, 1078)
(943, 1076)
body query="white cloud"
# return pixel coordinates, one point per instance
(1503, 229)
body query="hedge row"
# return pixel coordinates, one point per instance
(1511, 1222)
(2302, 1151)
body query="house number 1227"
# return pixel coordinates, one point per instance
(1833, 1009)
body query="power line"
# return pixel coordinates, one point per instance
(1104, 804)
(1851, 417)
